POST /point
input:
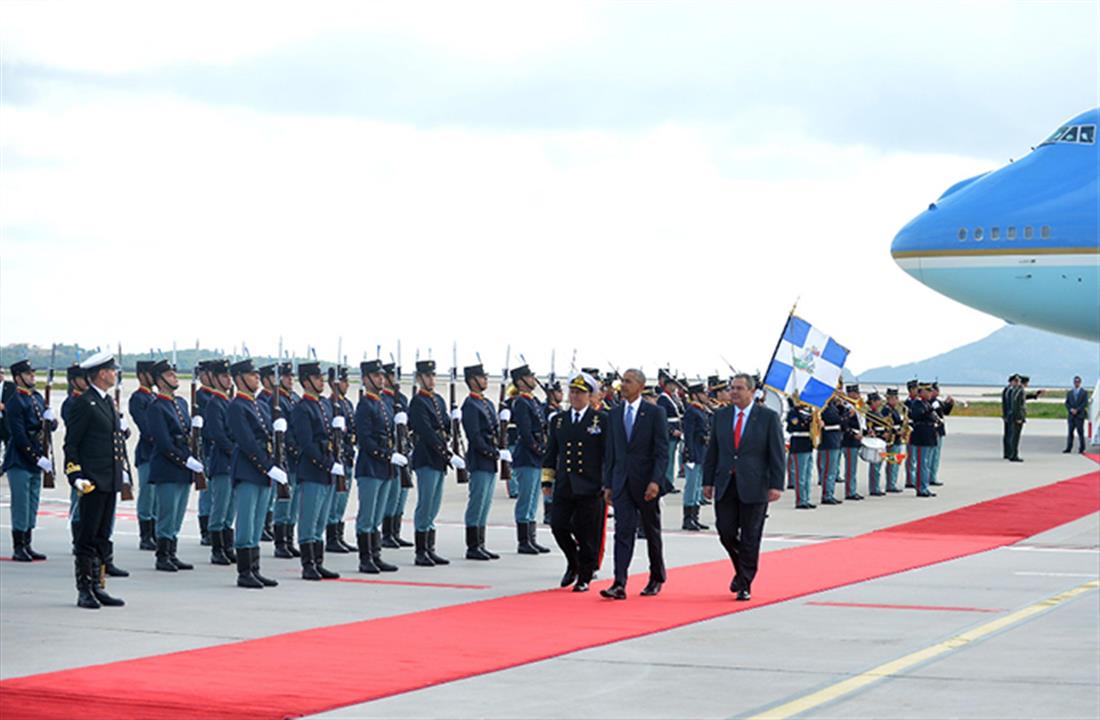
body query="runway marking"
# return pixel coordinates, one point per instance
(885, 606)
(1054, 574)
(1035, 548)
(894, 667)
(410, 583)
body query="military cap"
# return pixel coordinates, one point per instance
(696, 388)
(594, 372)
(337, 371)
(912, 384)
(309, 369)
(924, 386)
(935, 384)
(287, 368)
(555, 385)
(609, 378)
(102, 360)
(582, 381)
(203, 366)
(1013, 376)
(425, 367)
(242, 367)
(74, 371)
(472, 371)
(649, 391)
(891, 392)
(268, 370)
(663, 375)
(161, 366)
(368, 367)
(1024, 379)
(853, 388)
(218, 367)
(521, 372)
(21, 366)
(389, 368)
(873, 397)
(145, 366)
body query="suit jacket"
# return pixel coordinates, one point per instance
(94, 447)
(575, 457)
(633, 465)
(1077, 399)
(758, 465)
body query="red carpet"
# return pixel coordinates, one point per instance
(290, 675)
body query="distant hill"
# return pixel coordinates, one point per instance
(68, 354)
(1047, 358)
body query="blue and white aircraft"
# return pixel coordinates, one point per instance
(1022, 242)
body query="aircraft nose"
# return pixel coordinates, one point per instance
(913, 238)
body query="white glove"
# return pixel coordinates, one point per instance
(506, 455)
(122, 424)
(399, 460)
(458, 463)
(337, 469)
(456, 414)
(505, 415)
(339, 423)
(280, 425)
(196, 422)
(690, 466)
(45, 463)
(48, 415)
(194, 465)
(125, 478)
(277, 474)
(401, 419)
(83, 486)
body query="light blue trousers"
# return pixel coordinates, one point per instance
(171, 508)
(251, 501)
(513, 484)
(922, 465)
(429, 496)
(147, 495)
(934, 468)
(799, 471)
(828, 468)
(693, 485)
(911, 466)
(205, 502)
(374, 498)
(395, 502)
(892, 468)
(26, 489)
(339, 506)
(874, 473)
(480, 498)
(670, 471)
(288, 511)
(851, 470)
(315, 502)
(529, 485)
(221, 494)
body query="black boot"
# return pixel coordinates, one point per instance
(473, 545)
(180, 564)
(523, 538)
(265, 534)
(73, 530)
(366, 557)
(422, 558)
(436, 558)
(85, 598)
(532, 531)
(19, 547)
(27, 545)
(481, 541)
(145, 529)
(388, 540)
(204, 530)
(294, 551)
(245, 578)
(111, 569)
(164, 552)
(217, 549)
(695, 518)
(228, 537)
(332, 542)
(282, 533)
(254, 564)
(687, 523)
(376, 553)
(397, 533)
(99, 588)
(319, 558)
(309, 566)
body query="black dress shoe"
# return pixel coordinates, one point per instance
(878, 494)
(937, 483)
(615, 592)
(926, 494)
(804, 506)
(894, 490)
(652, 588)
(569, 577)
(1015, 459)
(744, 595)
(831, 501)
(857, 496)
(115, 571)
(581, 586)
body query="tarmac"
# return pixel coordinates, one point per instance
(828, 651)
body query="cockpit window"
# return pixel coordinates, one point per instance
(1054, 135)
(1088, 134)
(1069, 136)
(1080, 134)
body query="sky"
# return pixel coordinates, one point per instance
(644, 183)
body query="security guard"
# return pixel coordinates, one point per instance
(338, 398)
(852, 425)
(923, 438)
(318, 463)
(828, 450)
(376, 468)
(696, 433)
(894, 440)
(667, 399)
(574, 462)
(395, 505)
(527, 459)
(800, 459)
(429, 422)
(202, 396)
(218, 446)
(140, 401)
(253, 470)
(26, 457)
(480, 424)
(97, 467)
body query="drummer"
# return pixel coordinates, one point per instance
(874, 441)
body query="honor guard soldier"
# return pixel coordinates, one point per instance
(574, 463)
(527, 459)
(338, 398)
(828, 450)
(318, 463)
(895, 444)
(282, 532)
(551, 408)
(910, 455)
(78, 385)
(430, 424)
(924, 438)
(851, 443)
(7, 389)
(800, 459)
(96, 467)
(377, 467)
(667, 399)
(510, 433)
(253, 471)
(395, 505)
(481, 426)
(942, 408)
(26, 457)
(140, 401)
(202, 396)
(218, 447)
(876, 427)
(286, 511)
(696, 433)
(172, 467)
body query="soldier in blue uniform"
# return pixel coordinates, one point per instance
(667, 399)
(283, 530)
(140, 400)
(893, 437)
(876, 427)
(218, 449)
(376, 469)
(923, 439)
(800, 458)
(527, 459)
(510, 433)
(318, 463)
(430, 424)
(338, 398)
(253, 471)
(202, 397)
(696, 432)
(395, 505)
(910, 456)
(172, 467)
(550, 408)
(850, 444)
(942, 408)
(77, 385)
(286, 511)
(828, 450)
(480, 424)
(26, 457)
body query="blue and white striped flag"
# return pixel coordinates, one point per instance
(806, 360)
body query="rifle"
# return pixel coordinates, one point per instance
(127, 488)
(196, 433)
(47, 431)
(463, 475)
(337, 433)
(401, 432)
(502, 426)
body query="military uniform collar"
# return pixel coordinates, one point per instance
(477, 396)
(425, 393)
(24, 391)
(310, 396)
(370, 395)
(245, 395)
(162, 396)
(218, 393)
(143, 389)
(387, 391)
(527, 395)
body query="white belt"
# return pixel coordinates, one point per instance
(800, 434)
(832, 427)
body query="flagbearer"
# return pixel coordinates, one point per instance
(479, 422)
(140, 401)
(219, 453)
(696, 429)
(376, 469)
(395, 505)
(527, 466)
(800, 459)
(318, 464)
(26, 457)
(895, 443)
(828, 451)
(334, 530)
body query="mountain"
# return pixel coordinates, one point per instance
(1049, 359)
(68, 354)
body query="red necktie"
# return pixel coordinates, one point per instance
(737, 430)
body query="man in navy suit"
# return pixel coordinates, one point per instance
(636, 478)
(1077, 401)
(743, 472)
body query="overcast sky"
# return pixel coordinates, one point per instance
(648, 183)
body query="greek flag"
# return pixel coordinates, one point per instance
(806, 360)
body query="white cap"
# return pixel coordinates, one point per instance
(98, 360)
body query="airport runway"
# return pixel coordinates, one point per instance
(1009, 633)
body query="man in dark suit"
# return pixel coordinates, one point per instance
(1077, 401)
(97, 467)
(743, 472)
(635, 480)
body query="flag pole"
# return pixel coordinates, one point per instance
(780, 342)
